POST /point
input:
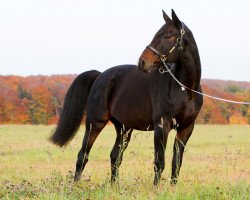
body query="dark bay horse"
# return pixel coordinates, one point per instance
(131, 99)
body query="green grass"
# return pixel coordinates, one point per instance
(216, 165)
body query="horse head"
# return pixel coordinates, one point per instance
(168, 44)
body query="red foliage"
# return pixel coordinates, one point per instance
(39, 99)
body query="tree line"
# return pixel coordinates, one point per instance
(39, 100)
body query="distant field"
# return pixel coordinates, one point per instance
(216, 165)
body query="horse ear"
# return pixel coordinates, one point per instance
(166, 17)
(176, 20)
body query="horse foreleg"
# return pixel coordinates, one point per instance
(180, 142)
(160, 140)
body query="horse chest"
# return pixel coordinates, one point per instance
(187, 110)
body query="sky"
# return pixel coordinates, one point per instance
(69, 37)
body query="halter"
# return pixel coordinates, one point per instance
(164, 57)
(169, 66)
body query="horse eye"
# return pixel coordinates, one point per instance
(167, 36)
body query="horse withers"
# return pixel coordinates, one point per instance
(131, 99)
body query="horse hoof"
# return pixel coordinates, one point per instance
(77, 177)
(173, 182)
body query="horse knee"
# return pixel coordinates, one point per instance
(159, 165)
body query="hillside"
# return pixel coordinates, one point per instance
(39, 99)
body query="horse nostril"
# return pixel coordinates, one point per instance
(141, 64)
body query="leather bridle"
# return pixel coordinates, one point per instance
(168, 67)
(164, 57)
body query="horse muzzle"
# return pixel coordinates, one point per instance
(148, 60)
(143, 67)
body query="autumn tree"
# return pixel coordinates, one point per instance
(40, 108)
(39, 100)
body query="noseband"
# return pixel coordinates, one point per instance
(164, 57)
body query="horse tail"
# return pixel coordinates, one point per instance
(73, 108)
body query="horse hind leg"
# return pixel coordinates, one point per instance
(91, 133)
(123, 136)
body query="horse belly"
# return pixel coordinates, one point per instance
(132, 108)
(133, 118)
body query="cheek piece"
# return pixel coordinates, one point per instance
(164, 57)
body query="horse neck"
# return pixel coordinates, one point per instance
(189, 69)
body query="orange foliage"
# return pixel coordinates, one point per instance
(39, 99)
(238, 119)
(33, 99)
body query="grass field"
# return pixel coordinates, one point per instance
(216, 165)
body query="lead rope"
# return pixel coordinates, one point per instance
(183, 87)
